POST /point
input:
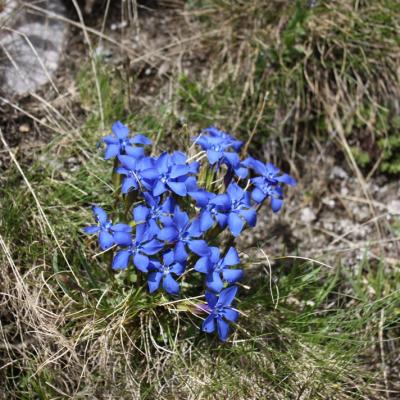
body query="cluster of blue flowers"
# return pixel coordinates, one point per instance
(175, 223)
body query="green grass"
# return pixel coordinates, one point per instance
(78, 329)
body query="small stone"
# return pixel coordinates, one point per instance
(394, 207)
(338, 172)
(307, 215)
(24, 128)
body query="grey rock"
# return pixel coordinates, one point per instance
(394, 207)
(307, 215)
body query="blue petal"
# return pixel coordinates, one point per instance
(206, 221)
(140, 213)
(121, 228)
(223, 329)
(214, 282)
(110, 139)
(199, 247)
(285, 178)
(178, 157)
(201, 197)
(150, 173)
(180, 218)
(177, 269)
(168, 234)
(250, 216)
(231, 257)
(111, 151)
(152, 247)
(227, 295)
(121, 259)
(120, 130)
(179, 170)
(170, 285)
(100, 214)
(241, 172)
(141, 262)
(106, 240)
(180, 253)
(213, 156)
(153, 281)
(214, 254)
(222, 201)
(168, 258)
(91, 229)
(140, 139)
(211, 299)
(127, 184)
(159, 189)
(276, 204)
(202, 265)
(232, 159)
(134, 152)
(128, 162)
(234, 191)
(122, 238)
(235, 224)
(258, 195)
(222, 220)
(232, 275)
(178, 187)
(162, 163)
(208, 324)
(231, 315)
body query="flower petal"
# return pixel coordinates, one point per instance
(199, 247)
(100, 214)
(202, 265)
(159, 188)
(121, 259)
(140, 213)
(134, 152)
(91, 229)
(230, 314)
(227, 295)
(232, 275)
(214, 282)
(206, 221)
(140, 139)
(153, 281)
(285, 178)
(141, 262)
(179, 170)
(231, 257)
(106, 240)
(208, 324)
(235, 224)
(111, 151)
(178, 187)
(178, 269)
(276, 204)
(213, 156)
(223, 329)
(168, 234)
(121, 228)
(180, 252)
(122, 238)
(120, 130)
(170, 285)
(128, 183)
(211, 299)
(250, 216)
(258, 195)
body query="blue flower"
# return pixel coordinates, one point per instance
(120, 143)
(182, 232)
(143, 245)
(267, 184)
(220, 312)
(215, 267)
(109, 234)
(216, 145)
(214, 132)
(136, 172)
(163, 272)
(270, 172)
(173, 173)
(151, 215)
(237, 202)
(212, 208)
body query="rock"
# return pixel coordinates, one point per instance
(24, 128)
(31, 44)
(394, 207)
(338, 173)
(307, 215)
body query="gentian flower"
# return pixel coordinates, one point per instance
(143, 245)
(163, 272)
(220, 312)
(179, 230)
(136, 172)
(173, 172)
(109, 234)
(213, 208)
(267, 184)
(213, 131)
(214, 267)
(237, 201)
(150, 215)
(120, 143)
